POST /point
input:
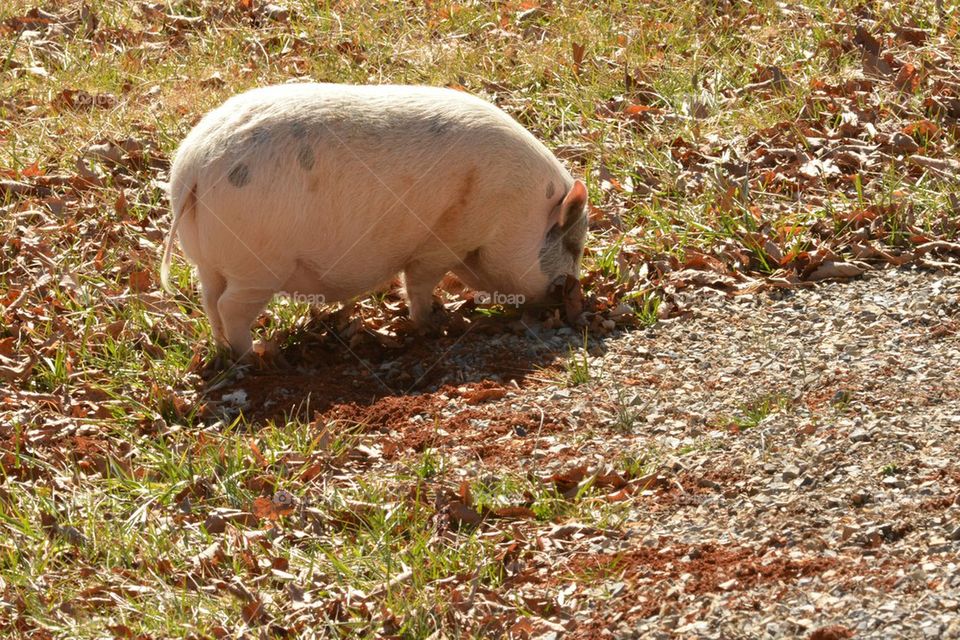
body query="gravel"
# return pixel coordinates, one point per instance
(849, 457)
(814, 431)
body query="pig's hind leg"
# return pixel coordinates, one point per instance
(239, 306)
(212, 285)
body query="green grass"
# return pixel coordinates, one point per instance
(578, 364)
(756, 410)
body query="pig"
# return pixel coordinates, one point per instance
(330, 191)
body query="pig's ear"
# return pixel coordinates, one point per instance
(573, 203)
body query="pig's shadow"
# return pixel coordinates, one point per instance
(319, 368)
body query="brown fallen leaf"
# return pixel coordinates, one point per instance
(578, 51)
(870, 250)
(49, 523)
(943, 165)
(11, 370)
(254, 612)
(461, 514)
(908, 79)
(457, 507)
(910, 35)
(282, 504)
(217, 520)
(941, 246)
(833, 269)
(80, 100)
(624, 494)
(13, 187)
(902, 143)
(698, 278)
(923, 130)
(877, 66)
(514, 513)
(141, 281)
(866, 41)
(568, 482)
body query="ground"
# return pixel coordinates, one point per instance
(741, 422)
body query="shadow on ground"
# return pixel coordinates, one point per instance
(320, 368)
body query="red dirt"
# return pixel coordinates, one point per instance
(710, 565)
(393, 415)
(691, 489)
(833, 632)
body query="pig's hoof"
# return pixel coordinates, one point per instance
(433, 325)
(220, 360)
(265, 355)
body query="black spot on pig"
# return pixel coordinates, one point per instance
(298, 130)
(551, 189)
(305, 158)
(438, 125)
(259, 136)
(239, 176)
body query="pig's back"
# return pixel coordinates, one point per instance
(373, 124)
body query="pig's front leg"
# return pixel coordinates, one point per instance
(420, 278)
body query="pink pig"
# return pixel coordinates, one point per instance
(329, 191)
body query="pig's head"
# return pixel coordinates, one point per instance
(561, 249)
(530, 260)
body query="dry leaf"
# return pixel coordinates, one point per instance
(831, 269)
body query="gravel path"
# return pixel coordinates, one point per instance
(809, 441)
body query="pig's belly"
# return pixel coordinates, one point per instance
(334, 283)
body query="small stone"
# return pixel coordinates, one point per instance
(860, 435)
(892, 482)
(708, 483)
(848, 530)
(955, 534)
(842, 396)
(728, 585)
(791, 472)
(859, 499)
